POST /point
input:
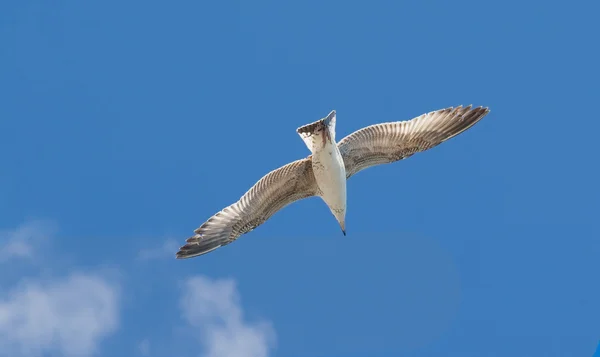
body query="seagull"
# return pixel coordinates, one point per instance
(325, 171)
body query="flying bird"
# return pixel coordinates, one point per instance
(325, 171)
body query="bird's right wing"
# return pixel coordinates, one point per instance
(389, 142)
(271, 193)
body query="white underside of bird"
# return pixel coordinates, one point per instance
(325, 171)
(327, 164)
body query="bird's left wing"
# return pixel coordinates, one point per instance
(389, 142)
(271, 193)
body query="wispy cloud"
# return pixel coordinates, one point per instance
(71, 315)
(68, 315)
(213, 307)
(23, 241)
(144, 348)
(166, 250)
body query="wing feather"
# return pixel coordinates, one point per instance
(389, 142)
(274, 191)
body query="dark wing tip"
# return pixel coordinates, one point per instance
(481, 112)
(461, 119)
(191, 250)
(482, 109)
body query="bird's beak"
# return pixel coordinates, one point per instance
(343, 226)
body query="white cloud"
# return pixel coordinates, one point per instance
(69, 316)
(144, 348)
(167, 250)
(23, 241)
(213, 307)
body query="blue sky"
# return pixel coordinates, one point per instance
(125, 125)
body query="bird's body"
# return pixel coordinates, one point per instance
(325, 171)
(330, 174)
(327, 164)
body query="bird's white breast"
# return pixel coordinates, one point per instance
(330, 174)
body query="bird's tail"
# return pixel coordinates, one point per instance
(316, 134)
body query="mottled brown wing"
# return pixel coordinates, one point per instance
(271, 193)
(390, 142)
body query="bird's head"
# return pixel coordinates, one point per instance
(340, 216)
